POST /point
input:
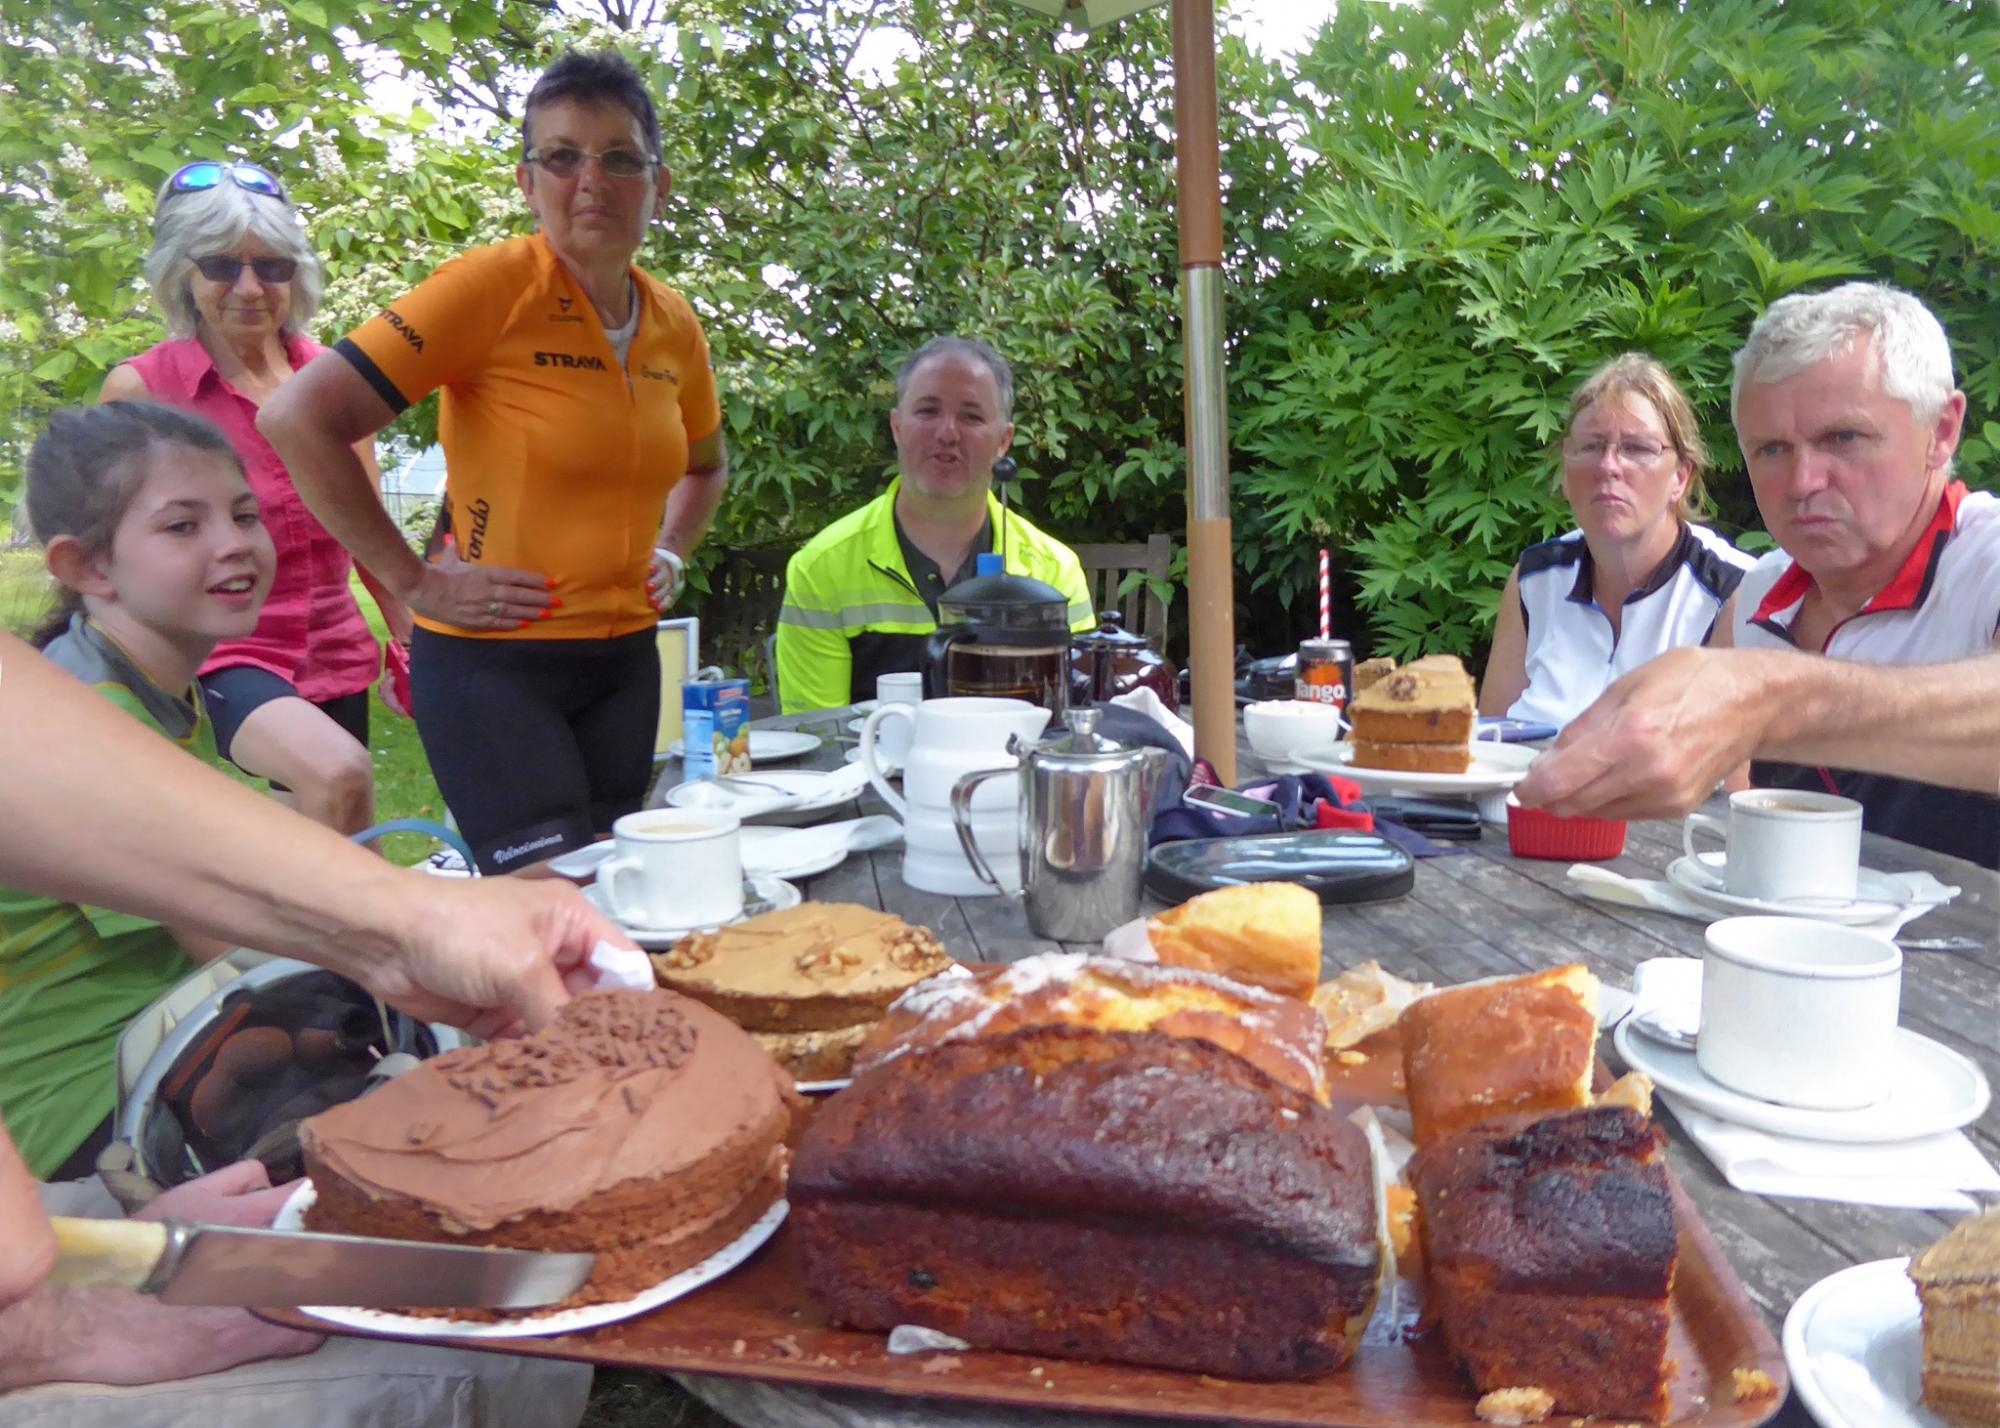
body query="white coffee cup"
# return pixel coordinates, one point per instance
(893, 741)
(1785, 844)
(1799, 1013)
(671, 867)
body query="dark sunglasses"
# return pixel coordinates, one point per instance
(221, 269)
(205, 174)
(566, 162)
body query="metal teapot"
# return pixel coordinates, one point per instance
(1086, 804)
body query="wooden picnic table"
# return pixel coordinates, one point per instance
(1483, 914)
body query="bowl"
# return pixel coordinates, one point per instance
(1283, 729)
(1533, 833)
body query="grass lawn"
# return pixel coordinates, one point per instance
(404, 787)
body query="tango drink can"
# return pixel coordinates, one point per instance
(715, 728)
(1326, 672)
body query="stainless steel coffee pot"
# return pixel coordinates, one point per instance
(1086, 803)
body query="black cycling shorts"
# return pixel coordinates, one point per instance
(229, 696)
(537, 745)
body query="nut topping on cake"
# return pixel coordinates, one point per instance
(917, 949)
(1402, 687)
(823, 961)
(691, 951)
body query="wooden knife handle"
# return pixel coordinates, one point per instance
(122, 1254)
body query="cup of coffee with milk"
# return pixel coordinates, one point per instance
(1785, 846)
(672, 867)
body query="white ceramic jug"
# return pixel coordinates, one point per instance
(955, 737)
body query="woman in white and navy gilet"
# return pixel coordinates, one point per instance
(1637, 577)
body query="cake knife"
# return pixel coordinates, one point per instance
(223, 1264)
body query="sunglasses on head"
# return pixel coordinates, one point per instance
(221, 269)
(205, 174)
(566, 161)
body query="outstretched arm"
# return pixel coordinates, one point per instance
(1657, 741)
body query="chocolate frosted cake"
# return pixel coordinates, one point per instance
(638, 1125)
(1129, 1195)
(1550, 1251)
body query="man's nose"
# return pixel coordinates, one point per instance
(1810, 472)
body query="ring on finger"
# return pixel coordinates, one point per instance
(492, 607)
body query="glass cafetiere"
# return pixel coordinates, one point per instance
(1002, 636)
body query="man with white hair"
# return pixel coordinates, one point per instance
(1863, 659)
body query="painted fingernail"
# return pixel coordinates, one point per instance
(551, 580)
(524, 624)
(544, 615)
(555, 604)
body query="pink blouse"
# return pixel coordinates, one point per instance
(310, 632)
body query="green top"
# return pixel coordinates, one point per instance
(852, 609)
(72, 976)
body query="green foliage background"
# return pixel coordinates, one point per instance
(1437, 219)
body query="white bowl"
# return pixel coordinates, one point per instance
(1285, 728)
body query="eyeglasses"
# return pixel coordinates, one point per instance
(567, 162)
(1632, 453)
(220, 269)
(204, 174)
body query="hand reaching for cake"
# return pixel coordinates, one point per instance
(497, 956)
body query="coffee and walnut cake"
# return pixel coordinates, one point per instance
(809, 982)
(640, 1126)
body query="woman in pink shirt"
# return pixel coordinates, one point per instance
(231, 270)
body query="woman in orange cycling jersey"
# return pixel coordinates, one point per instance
(584, 459)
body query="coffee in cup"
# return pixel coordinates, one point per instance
(674, 868)
(1786, 844)
(1799, 1013)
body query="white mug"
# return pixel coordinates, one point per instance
(1799, 1013)
(1786, 844)
(894, 739)
(672, 867)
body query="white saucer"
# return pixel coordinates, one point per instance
(891, 768)
(757, 862)
(801, 795)
(1932, 1089)
(1881, 896)
(854, 725)
(1493, 766)
(767, 746)
(1854, 1344)
(760, 894)
(291, 1216)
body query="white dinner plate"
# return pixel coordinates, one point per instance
(1880, 895)
(767, 746)
(854, 725)
(533, 1324)
(1932, 1089)
(789, 795)
(582, 862)
(763, 846)
(1854, 1345)
(760, 894)
(1494, 766)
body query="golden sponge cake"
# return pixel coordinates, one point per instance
(1266, 934)
(1280, 1036)
(1416, 720)
(1490, 1050)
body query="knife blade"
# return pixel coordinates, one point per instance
(182, 1263)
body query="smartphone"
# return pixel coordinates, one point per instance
(1227, 800)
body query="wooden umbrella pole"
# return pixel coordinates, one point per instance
(1211, 557)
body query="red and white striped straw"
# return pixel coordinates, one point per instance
(1325, 595)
